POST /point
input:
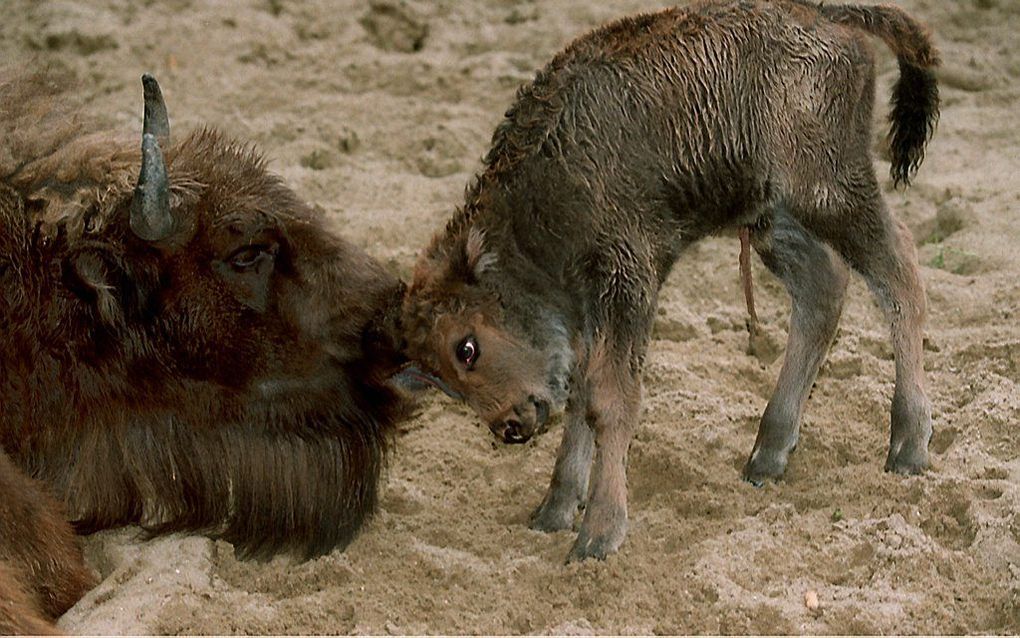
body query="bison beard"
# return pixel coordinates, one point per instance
(194, 353)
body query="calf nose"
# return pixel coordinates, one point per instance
(541, 412)
(511, 431)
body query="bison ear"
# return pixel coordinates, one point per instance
(90, 276)
(477, 258)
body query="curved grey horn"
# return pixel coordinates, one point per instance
(150, 207)
(156, 120)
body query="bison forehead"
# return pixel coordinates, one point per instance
(80, 189)
(231, 175)
(420, 319)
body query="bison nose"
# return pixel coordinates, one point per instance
(511, 431)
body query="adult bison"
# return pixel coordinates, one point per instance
(183, 347)
(636, 141)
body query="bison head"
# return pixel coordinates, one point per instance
(188, 347)
(221, 274)
(480, 328)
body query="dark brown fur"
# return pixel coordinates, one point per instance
(164, 383)
(635, 141)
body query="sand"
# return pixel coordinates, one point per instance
(378, 112)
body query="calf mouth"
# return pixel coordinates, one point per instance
(527, 420)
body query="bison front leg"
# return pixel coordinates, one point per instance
(569, 486)
(613, 407)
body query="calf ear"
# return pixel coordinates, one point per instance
(478, 259)
(91, 276)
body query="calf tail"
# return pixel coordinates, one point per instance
(915, 98)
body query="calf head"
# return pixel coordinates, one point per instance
(480, 335)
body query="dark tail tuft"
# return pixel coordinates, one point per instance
(915, 112)
(915, 98)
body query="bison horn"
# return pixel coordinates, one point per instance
(156, 121)
(150, 207)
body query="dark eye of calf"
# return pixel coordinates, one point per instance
(467, 352)
(247, 271)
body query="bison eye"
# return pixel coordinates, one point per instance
(250, 256)
(467, 352)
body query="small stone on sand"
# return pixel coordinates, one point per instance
(811, 599)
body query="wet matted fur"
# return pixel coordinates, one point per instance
(634, 142)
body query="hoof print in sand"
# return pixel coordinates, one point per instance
(950, 521)
(951, 216)
(440, 154)
(395, 26)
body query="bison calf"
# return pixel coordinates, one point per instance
(183, 346)
(637, 140)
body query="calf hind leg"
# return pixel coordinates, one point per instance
(39, 554)
(816, 280)
(19, 613)
(882, 250)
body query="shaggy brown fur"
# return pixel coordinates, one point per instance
(19, 613)
(230, 378)
(635, 141)
(42, 572)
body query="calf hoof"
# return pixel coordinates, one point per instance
(598, 548)
(553, 517)
(907, 459)
(911, 434)
(606, 541)
(763, 466)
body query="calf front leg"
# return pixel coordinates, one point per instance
(613, 408)
(569, 486)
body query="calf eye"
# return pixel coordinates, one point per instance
(467, 352)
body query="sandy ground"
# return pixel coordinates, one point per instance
(378, 116)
